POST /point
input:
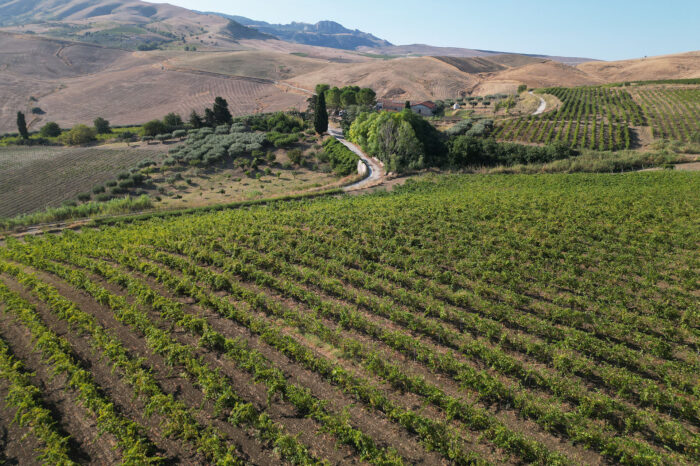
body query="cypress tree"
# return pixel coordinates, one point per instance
(221, 114)
(22, 126)
(407, 106)
(321, 115)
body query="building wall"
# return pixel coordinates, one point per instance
(422, 110)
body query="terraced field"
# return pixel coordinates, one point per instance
(483, 319)
(33, 178)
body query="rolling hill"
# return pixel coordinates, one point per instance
(76, 60)
(677, 66)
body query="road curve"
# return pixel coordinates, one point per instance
(375, 171)
(543, 105)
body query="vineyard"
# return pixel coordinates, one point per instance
(589, 117)
(34, 178)
(488, 320)
(602, 118)
(672, 112)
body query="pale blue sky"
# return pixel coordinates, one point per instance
(604, 29)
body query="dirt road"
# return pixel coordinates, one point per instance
(375, 170)
(543, 105)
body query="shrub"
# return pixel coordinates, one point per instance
(137, 178)
(343, 160)
(124, 184)
(103, 197)
(50, 130)
(78, 135)
(154, 128)
(111, 183)
(98, 189)
(84, 197)
(295, 156)
(126, 136)
(123, 175)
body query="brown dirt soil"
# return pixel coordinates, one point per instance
(419, 78)
(546, 74)
(677, 66)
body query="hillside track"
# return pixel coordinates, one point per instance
(375, 171)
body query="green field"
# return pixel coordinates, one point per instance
(546, 319)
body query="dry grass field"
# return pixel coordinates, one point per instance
(678, 66)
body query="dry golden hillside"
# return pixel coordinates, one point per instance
(679, 66)
(546, 74)
(414, 78)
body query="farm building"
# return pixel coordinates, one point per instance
(390, 105)
(426, 108)
(455, 106)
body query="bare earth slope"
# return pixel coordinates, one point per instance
(417, 78)
(678, 66)
(74, 83)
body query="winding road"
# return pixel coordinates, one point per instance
(375, 170)
(543, 105)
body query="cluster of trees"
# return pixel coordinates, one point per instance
(78, 135)
(470, 151)
(342, 98)
(219, 114)
(403, 141)
(337, 99)
(170, 122)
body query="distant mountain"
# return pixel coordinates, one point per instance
(322, 34)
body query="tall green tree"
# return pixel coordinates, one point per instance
(322, 88)
(22, 126)
(332, 97)
(173, 121)
(321, 115)
(102, 126)
(367, 97)
(407, 105)
(348, 98)
(195, 120)
(222, 116)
